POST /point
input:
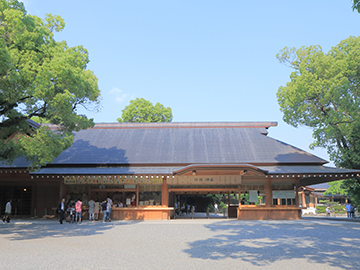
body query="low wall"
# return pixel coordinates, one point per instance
(255, 212)
(141, 213)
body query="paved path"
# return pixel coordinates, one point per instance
(181, 244)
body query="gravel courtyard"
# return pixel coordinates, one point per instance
(181, 244)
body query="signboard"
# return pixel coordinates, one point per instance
(205, 180)
(253, 196)
(283, 194)
(112, 180)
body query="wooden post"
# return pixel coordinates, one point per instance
(268, 193)
(63, 189)
(238, 209)
(303, 199)
(239, 195)
(164, 193)
(297, 192)
(33, 199)
(137, 196)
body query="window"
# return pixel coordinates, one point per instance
(149, 195)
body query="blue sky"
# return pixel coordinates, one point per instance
(207, 60)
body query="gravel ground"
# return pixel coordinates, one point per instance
(181, 244)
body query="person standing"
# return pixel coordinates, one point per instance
(176, 208)
(242, 201)
(91, 204)
(110, 202)
(108, 211)
(328, 211)
(96, 209)
(7, 212)
(216, 208)
(348, 209)
(61, 210)
(104, 210)
(78, 206)
(133, 200)
(352, 211)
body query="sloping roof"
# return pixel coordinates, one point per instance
(33, 124)
(298, 169)
(120, 170)
(18, 163)
(320, 186)
(181, 143)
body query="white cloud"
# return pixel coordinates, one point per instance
(119, 95)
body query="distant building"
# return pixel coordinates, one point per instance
(313, 194)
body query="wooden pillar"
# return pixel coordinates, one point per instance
(297, 192)
(63, 189)
(137, 196)
(238, 209)
(33, 199)
(303, 199)
(268, 193)
(239, 194)
(164, 193)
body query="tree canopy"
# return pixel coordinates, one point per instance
(324, 94)
(336, 188)
(356, 5)
(40, 77)
(141, 110)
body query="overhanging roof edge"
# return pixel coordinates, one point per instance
(218, 167)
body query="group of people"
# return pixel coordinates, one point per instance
(106, 206)
(350, 210)
(74, 210)
(183, 209)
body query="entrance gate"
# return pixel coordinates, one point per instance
(203, 199)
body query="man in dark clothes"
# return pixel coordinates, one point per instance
(61, 210)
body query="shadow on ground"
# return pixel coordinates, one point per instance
(47, 229)
(263, 243)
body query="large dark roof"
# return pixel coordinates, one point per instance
(181, 143)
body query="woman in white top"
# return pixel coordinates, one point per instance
(96, 209)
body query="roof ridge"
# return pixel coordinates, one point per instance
(187, 125)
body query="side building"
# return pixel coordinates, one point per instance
(151, 166)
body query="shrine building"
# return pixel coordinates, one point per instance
(151, 166)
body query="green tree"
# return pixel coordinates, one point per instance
(141, 110)
(40, 77)
(324, 94)
(336, 188)
(40, 120)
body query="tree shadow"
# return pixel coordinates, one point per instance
(16, 232)
(82, 152)
(263, 243)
